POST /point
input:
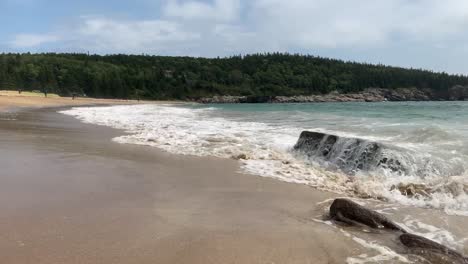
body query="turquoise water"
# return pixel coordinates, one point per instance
(442, 113)
(441, 124)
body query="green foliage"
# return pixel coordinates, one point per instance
(159, 77)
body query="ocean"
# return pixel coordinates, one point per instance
(428, 141)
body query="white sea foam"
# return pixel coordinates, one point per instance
(265, 149)
(376, 253)
(380, 253)
(384, 254)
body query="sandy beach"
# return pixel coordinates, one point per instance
(13, 100)
(68, 194)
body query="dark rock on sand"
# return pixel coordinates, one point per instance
(432, 250)
(349, 212)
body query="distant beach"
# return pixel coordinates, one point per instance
(16, 100)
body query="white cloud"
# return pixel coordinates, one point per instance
(224, 27)
(131, 36)
(337, 23)
(219, 10)
(33, 40)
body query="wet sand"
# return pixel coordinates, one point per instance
(68, 194)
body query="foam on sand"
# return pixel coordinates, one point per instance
(265, 149)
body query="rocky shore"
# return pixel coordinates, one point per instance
(456, 93)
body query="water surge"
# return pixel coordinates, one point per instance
(406, 160)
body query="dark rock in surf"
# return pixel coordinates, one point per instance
(348, 154)
(429, 248)
(240, 157)
(315, 142)
(353, 155)
(349, 212)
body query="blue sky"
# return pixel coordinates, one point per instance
(430, 34)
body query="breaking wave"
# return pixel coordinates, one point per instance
(353, 155)
(392, 167)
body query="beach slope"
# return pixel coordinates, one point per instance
(68, 194)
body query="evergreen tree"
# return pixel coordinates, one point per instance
(160, 77)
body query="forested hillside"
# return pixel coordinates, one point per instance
(158, 77)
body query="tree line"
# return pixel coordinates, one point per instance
(162, 77)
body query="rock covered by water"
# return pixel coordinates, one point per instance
(348, 154)
(352, 155)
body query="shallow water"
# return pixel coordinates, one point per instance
(429, 138)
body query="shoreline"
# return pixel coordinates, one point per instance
(137, 204)
(134, 204)
(13, 102)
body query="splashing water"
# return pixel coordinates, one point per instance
(429, 139)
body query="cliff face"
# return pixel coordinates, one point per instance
(368, 95)
(458, 93)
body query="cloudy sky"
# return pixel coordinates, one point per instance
(431, 34)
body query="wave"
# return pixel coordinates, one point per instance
(429, 134)
(364, 167)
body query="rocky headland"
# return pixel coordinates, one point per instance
(455, 93)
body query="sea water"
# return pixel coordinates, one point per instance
(429, 138)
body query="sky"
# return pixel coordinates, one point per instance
(428, 34)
